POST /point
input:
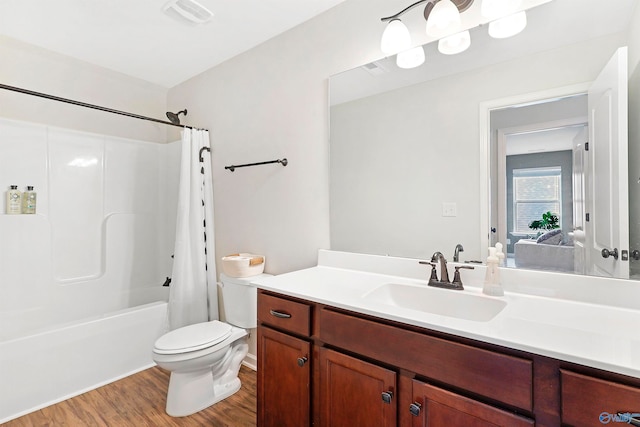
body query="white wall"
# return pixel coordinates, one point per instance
(40, 70)
(269, 103)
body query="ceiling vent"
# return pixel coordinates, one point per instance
(188, 11)
(375, 68)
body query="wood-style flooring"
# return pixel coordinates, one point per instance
(139, 401)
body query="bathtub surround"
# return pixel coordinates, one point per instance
(194, 265)
(76, 277)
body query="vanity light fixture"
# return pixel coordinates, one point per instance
(444, 19)
(187, 11)
(508, 26)
(494, 9)
(396, 38)
(443, 22)
(506, 20)
(456, 43)
(442, 16)
(411, 58)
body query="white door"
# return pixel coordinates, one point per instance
(607, 204)
(579, 161)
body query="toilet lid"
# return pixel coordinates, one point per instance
(193, 337)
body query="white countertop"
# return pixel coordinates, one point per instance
(551, 323)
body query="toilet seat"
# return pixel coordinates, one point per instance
(193, 337)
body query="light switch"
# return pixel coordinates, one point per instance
(449, 209)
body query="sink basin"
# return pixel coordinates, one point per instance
(444, 302)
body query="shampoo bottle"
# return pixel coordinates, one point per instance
(29, 201)
(14, 200)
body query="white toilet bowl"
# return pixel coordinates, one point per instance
(201, 374)
(205, 358)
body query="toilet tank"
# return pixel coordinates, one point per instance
(240, 300)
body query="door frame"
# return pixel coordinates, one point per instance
(501, 141)
(485, 109)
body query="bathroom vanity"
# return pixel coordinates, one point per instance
(333, 350)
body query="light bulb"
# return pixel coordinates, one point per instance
(455, 44)
(508, 26)
(395, 38)
(411, 58)
(444, 19)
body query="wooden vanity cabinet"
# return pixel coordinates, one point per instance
(284, 362)
(590, 401)
(434, 406)
(354, 392)
(323, 366)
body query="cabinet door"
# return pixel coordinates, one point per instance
(355, 393)
(283, 379)
(435, 407)
(589, 401)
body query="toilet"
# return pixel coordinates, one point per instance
(204, 358)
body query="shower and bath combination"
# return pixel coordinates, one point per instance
(175, 117)
(109, 325)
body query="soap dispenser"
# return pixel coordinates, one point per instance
(492, 278)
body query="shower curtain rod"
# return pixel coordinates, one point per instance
(86, 105)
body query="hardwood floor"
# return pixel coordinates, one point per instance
(138, 401)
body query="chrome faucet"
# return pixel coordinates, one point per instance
(444, 282)
(444, 274)
(456, 252)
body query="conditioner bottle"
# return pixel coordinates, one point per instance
(29, 201)
(14, 200)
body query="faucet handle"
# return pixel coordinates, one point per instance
(434, 273)
(456, 275)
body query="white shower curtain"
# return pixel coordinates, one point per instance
(193, 296)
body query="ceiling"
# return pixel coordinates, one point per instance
(137, 38)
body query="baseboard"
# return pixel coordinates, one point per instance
(251, 361)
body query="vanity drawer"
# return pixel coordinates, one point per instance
(285, 314)
(586, 399)
(497, 376)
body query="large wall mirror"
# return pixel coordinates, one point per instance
(472, 148)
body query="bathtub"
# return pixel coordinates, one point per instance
(47, 367)
(81, 295)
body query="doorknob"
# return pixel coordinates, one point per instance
(606, 253)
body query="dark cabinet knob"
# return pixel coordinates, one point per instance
(302, 361)
(606, 253)
(415, 408)
(635, 254)
(387, 396)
